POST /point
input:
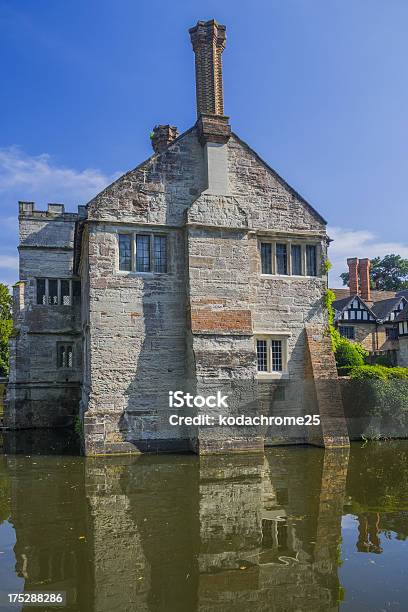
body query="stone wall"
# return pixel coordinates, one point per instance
(194, 327)
(40, 394)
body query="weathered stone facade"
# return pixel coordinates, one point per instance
(195, 326)
(41, 394)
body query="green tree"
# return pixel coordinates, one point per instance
(389, 273)
(6, 327)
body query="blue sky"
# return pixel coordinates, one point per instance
(318, 88)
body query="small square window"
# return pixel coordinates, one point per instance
(64, 355)
(347, 331)
(271, 355)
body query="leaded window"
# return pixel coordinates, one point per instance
(311, 263)
(271, 355)
(65, 355)
(262, 355)
(58, 291)
(266, 257)
(347, 331)
(125, 252)
(296, 254)
(281, 258)
(143, 253)
(160, 254)
(52, 291)
(276, 355)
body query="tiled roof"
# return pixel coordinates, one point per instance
(343, 303)
(376, 296)
(383, 308)
(403, 316)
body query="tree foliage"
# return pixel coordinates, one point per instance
(6, 327)
(389, 273)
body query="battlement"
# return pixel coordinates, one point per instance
(54, 211)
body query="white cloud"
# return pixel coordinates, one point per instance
(38, 179)
(357, 243)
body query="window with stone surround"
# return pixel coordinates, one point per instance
(143, 252)
(58, 291)
(65, 352)
(289, 258)
(347, 331)
(271, 353)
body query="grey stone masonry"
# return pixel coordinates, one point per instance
(39, 393)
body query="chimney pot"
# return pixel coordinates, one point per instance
(162, 136)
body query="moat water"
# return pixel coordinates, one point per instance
(298, 529)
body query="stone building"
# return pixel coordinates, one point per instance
(198, 270)
(370, 317)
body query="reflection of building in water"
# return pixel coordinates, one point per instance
(49, 517)
(369, 533)
(268, 527)
(121, 576)
(181, 534)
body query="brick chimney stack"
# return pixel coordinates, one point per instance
(162, 136)
(208, 40)
(353, 275)
(364, 266)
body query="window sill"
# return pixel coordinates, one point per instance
(142, 274)
(272, 376)
(294, 276)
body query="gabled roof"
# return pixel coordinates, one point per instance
(342, 305)
(403, 316)
(280, 179)
(385, 307)
(404, 293)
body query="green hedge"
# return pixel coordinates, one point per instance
(377, 372)
(348, 354)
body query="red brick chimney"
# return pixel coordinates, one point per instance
(162, 136)
(353, 275)
(364, 266)
(208, 39)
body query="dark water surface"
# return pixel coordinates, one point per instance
(299, 529)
